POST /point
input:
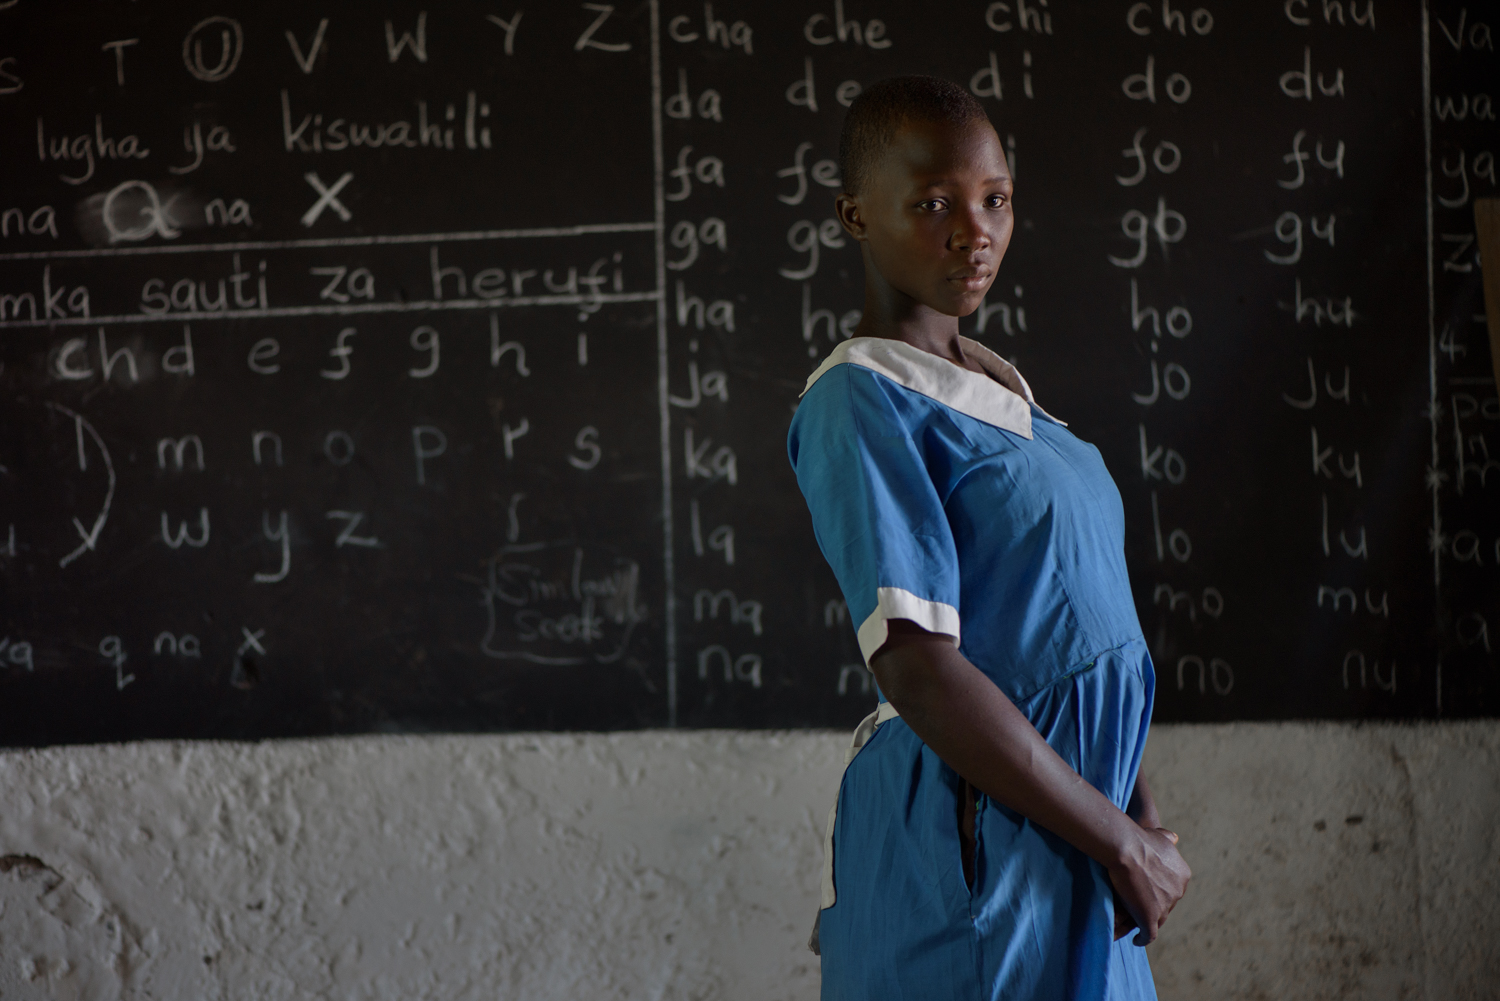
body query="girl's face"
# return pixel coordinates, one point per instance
(935, 214)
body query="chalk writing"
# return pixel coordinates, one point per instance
(561, 603)
(459, 322)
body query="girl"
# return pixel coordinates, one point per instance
(991, 838)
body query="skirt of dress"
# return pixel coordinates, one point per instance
(1038, 921)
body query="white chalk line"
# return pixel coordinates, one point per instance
(350, 309)
(663, 369)
(90, 536)
(1432, 347)
(336, 241)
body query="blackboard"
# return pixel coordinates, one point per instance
(380, 368)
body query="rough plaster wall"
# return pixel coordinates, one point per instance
(1332, 861)
(684, 866)
(534, 867)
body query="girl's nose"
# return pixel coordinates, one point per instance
(970, 233)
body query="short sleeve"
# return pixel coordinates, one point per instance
(876, 514)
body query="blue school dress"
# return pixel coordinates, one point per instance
(950, 498)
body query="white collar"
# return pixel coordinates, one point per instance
(1001, 398)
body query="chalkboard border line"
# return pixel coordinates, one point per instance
(663, 366)
(337, 241)
(349, 309)
(1434, 477)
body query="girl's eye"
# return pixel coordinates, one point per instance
(933, 205)
(996, 201)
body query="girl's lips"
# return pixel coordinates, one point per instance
(971, 280)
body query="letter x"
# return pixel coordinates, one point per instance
(252, 641)
(327, 197)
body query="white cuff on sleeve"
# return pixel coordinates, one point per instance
(895, 603)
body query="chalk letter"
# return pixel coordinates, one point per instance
(509, 27)
(803, 92)
(586, 40)
(179, 359)
(281, 535)
(307, 61)
(423, 451)
(418, 45)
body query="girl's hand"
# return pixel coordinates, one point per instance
(1148, 885)
(973, 726)
(1124, 923)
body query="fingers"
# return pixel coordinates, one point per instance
(1153, 887)
(1124, 923)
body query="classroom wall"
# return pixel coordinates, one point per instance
(1331, 861)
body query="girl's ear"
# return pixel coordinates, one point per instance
(849, 215)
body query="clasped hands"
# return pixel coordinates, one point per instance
(1148, 882)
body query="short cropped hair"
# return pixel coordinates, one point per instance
(878, 112)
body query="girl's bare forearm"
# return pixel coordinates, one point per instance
(1142, 805)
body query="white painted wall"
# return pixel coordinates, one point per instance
(684, 865)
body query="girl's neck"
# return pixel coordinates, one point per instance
(896, 316)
